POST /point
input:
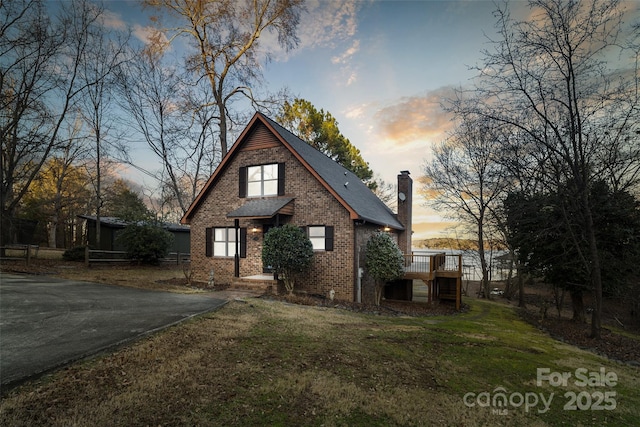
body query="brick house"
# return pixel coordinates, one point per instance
(270, 177)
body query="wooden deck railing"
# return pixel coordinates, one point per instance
(444, 262)
(414, 263)
(423, 263)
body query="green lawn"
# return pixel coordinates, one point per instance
(263, 362)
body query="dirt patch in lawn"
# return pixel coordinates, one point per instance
(164, 277)
(617, 342)
(386, 307)
(615, 346)
(623, 347)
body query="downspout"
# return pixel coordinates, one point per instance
(358, 278)
(236, 269)
(357, 271)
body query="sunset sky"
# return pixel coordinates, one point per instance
(383, 79)
(381, 68)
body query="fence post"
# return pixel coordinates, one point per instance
(178, 258)
(28, 254)
(86, 256)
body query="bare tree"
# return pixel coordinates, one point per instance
(39, 82)
(524, 165)
(225, 49)
(161, 107)
(466, 180)
(387, 192)
(99, 69)
(60, 189)
(71, 150)
(551, 78)
(199, 118)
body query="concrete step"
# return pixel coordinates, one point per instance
(255, 283)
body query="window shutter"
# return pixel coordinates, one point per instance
(243, 242)
(208, 232)
(280, 179)
(242, 182)
(328, 238)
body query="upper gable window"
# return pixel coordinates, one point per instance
(262, 180)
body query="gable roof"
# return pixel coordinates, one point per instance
(343, 184)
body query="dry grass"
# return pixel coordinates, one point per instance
(263, 362)
(167, 277)
(36, 253)
(48, 253)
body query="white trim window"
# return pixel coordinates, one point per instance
(224, 242)
(262, 180)
(321, 237)
(317, 237)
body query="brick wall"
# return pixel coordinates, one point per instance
(314, 205)
(363, 234)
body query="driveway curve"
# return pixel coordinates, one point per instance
(46, 323)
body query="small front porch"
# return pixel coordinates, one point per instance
(263, 283)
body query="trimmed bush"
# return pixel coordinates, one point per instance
(289, 252)
(383, 261)
(146, 244)
(74, 254)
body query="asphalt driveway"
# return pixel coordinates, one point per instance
(46, 323)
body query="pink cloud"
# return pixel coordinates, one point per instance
(416, 118)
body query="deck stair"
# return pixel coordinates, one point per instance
(441, 273)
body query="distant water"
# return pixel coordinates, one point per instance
(471, 269)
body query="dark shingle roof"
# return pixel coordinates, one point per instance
(356, 194)
(260, 208)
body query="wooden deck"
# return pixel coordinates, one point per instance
(441, 273)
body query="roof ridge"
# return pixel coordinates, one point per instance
(343, 181)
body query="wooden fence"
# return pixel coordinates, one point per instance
(18, 252)
(95, 256)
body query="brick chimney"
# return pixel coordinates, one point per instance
(405, 202)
